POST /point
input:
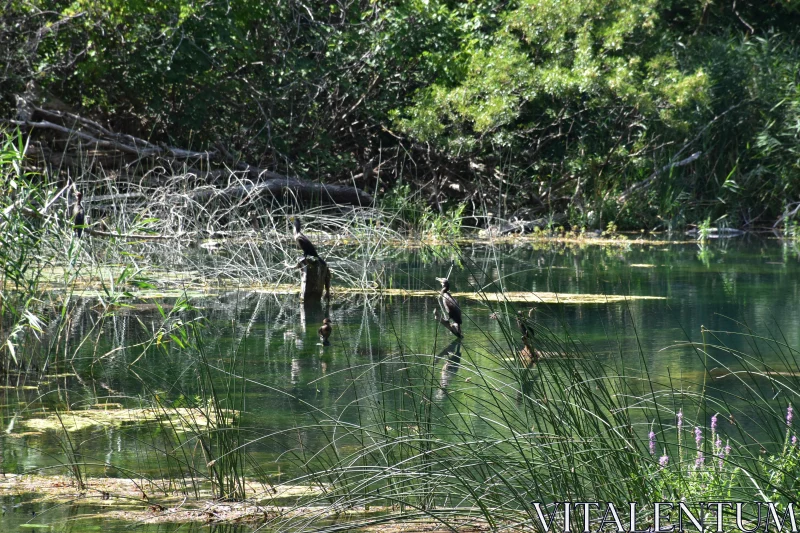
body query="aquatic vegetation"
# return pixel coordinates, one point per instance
(555, 298)
(704, 230)
(146, 501)
(105, 415)
(21, 245)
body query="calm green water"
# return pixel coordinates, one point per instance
(272, 341)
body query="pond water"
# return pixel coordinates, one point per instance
(271, 341)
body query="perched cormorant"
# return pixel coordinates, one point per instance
(521, 325)
(78, 215)
(450, 304)
(324, 332)
(304, 243)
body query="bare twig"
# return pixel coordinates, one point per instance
(646, 183)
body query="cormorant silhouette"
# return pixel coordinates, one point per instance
(450, 304)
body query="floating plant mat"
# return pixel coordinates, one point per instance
(154, 500)
(143, 501)
(513, 296)
(180, 418)
(571, 239)
(555, 297)
(374, 519)
(150, 283)
(194, 286)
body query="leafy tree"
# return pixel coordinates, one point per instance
(582, 107)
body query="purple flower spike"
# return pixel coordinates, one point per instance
(789, 416)
(652, 443)
(699, 461)
(714, 423)
(680, 419)
(794, 440)
(698, 436)
(718, 444)
(663, 460)
(728, 448)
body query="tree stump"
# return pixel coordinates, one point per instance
(443, 320)
(315, 278)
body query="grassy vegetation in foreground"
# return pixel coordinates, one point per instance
(460, 445)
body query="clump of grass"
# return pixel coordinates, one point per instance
(20, 247)
(505, 434)
(71, 451)
(203, 446)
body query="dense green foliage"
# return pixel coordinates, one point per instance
(551, 105)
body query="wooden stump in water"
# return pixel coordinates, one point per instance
(446, 323)
(315, 278)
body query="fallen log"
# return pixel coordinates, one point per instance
(304, 190)
(149, 150)
(263, 181)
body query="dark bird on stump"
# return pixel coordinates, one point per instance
(324, 332)
(78, 215)
(450, 304)
(304, 243)
(521, 325)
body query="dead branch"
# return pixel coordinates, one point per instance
(131, 236)
(646, 183)
(147, 150)
(787, 214)
(74, 126)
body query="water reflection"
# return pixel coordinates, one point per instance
(452, 356)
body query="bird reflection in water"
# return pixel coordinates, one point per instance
(452, 355)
